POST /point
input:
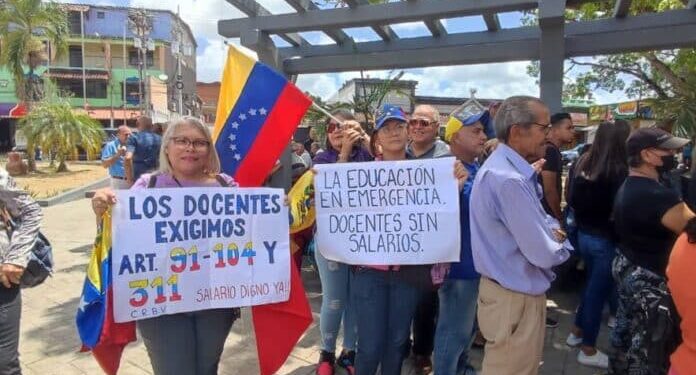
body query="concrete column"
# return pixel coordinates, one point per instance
(552, 52)
(268, 54)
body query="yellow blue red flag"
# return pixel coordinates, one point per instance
(258, 111)
(95, 318)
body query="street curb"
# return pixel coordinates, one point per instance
(74, 194)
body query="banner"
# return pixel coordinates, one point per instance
(388, 213)
(190, 249)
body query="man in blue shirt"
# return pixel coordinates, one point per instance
(143, 149)
(112, 157)
(455, 324)
(514, 242)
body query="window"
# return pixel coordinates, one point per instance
(96, 88)
(132, 91)
(133, 58)
(74, 22)
(100, 15)
(75, 56)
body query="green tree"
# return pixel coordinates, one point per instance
(24, 26)
(58, 130)
(668, 76)
(366, 100)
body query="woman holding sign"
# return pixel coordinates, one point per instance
(185, 343)
(386, 297)
(345, 144)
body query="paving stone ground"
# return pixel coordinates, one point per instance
(49, 342)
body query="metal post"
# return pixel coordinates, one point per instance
(552, 53)
(124, 74)
(84, 77)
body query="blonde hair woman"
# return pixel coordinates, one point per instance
(185, 343)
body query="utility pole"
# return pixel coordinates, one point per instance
(140, 23)
(178, 49)
(84, 76)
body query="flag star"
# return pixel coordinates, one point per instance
(242, 117)
(252, 112)
(83, 303)
(237, 157)
(232, 137)
(263, 111)
(233, 147)
(235, 125)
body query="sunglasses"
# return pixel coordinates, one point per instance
(332, 127)
(420, 122)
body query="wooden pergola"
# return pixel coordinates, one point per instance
(551, 41)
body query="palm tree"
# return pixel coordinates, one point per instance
(53, 126)
(24, 26)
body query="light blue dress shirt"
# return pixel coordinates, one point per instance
(110, 149)
(511, 236)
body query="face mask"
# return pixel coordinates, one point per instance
(669, 162)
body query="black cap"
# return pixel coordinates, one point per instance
(644, 138)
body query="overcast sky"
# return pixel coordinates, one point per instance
(490, 80)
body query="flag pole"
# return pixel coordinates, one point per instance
(327, 113)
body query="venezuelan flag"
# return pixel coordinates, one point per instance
(258, 111)
(95, 319)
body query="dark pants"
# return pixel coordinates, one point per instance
(10, 311)
(386, 305)
(187, 343)
(424, 324)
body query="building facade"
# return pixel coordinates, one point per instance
(109, 75)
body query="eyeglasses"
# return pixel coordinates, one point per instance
(184, 143)
(420, 122)
(333, 125)
(544, 127)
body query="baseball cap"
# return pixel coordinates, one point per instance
(644, 138)
(389, 112)
(460, 119)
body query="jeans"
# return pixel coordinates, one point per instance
(386, 305)
(187, 343)
(598, 253)
(455, 326)
(424, 324)
(335, 304)
(10, 312)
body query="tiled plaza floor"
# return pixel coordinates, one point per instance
(49, 342)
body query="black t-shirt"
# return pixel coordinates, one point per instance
(593, 201)
(554, 163)
(638, 209)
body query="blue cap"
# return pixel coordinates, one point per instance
(483, 117)
(388, 112)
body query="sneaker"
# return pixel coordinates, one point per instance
(422, 364)
(611, 323)
(573, 340)
(551, 323)
(347, 361)
(326, 363)
(599, 359)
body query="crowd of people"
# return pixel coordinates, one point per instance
(636, 237)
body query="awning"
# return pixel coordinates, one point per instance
(119, 114)
(12, 110)
(76, 73)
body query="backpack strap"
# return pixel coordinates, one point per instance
(152, 182)
(221, 180)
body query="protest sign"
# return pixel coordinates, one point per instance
(190, 249)
(388, 213)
